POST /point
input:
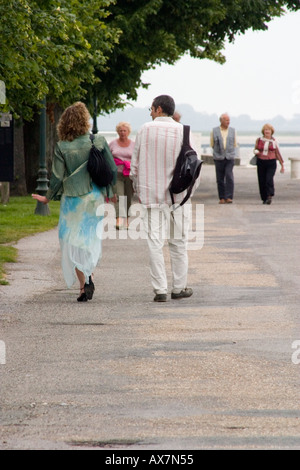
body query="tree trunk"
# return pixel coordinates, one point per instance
(4, 192)
(18, 186)
(31, 151)
(53, 115)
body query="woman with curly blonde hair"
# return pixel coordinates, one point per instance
(75, 121)
(79, 227)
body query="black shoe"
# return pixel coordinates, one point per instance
(269, 200)
(187, 292)
(82, 297)
(89, 289)
(160, 298)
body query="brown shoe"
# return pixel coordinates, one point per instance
(222, 201)
(160, 298)
(228, 201)
(187, 292)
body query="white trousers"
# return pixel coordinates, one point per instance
(160, 226)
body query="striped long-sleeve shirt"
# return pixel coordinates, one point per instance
(157, 147)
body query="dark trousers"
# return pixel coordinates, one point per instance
(266, 170)
(225, 179)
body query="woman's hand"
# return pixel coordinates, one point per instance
(114, 199)
(282, 169)
(40, 198)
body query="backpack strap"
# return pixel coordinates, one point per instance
(185, 141)
(172, 197)
(186, 134)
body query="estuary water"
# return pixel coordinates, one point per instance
(289, 145)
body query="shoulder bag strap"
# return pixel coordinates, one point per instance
(186, 134)
(92, 138)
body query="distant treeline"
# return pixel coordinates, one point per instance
(201, 122)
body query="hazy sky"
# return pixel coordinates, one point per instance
(261, 76)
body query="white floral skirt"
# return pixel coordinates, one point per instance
(79, 232)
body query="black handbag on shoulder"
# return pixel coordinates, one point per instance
(98, 167)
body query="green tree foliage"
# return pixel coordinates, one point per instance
(71, 49)
(157, 31)
(50, 48)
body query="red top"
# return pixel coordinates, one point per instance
(268, 150)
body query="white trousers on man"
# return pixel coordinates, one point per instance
(160, 227)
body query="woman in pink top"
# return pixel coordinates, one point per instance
(121, 150)
(267, 151)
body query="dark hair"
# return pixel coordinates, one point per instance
(166, 103)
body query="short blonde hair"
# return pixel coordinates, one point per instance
(123, 124)
(267, 126)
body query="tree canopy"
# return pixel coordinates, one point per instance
(68, 50)
(51, 48)
(161, 31)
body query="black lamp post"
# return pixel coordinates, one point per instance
(42, 181)
(95, 102)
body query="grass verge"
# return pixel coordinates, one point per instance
(18, 220)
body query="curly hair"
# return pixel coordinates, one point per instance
(123, 124)
(74, 121)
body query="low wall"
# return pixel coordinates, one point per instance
(210, 161)
(295, 167)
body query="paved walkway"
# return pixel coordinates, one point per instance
(216, 371)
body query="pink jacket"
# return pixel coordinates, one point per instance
(126, 164)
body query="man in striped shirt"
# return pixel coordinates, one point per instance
(157, 147)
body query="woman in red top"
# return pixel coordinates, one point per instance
(267, 151)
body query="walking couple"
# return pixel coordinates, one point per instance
(157, 146)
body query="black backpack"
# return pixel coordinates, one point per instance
(98, 167)
(187, 169)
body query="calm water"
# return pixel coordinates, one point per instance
(289, 145)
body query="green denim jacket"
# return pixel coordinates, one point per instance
(69, 174)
